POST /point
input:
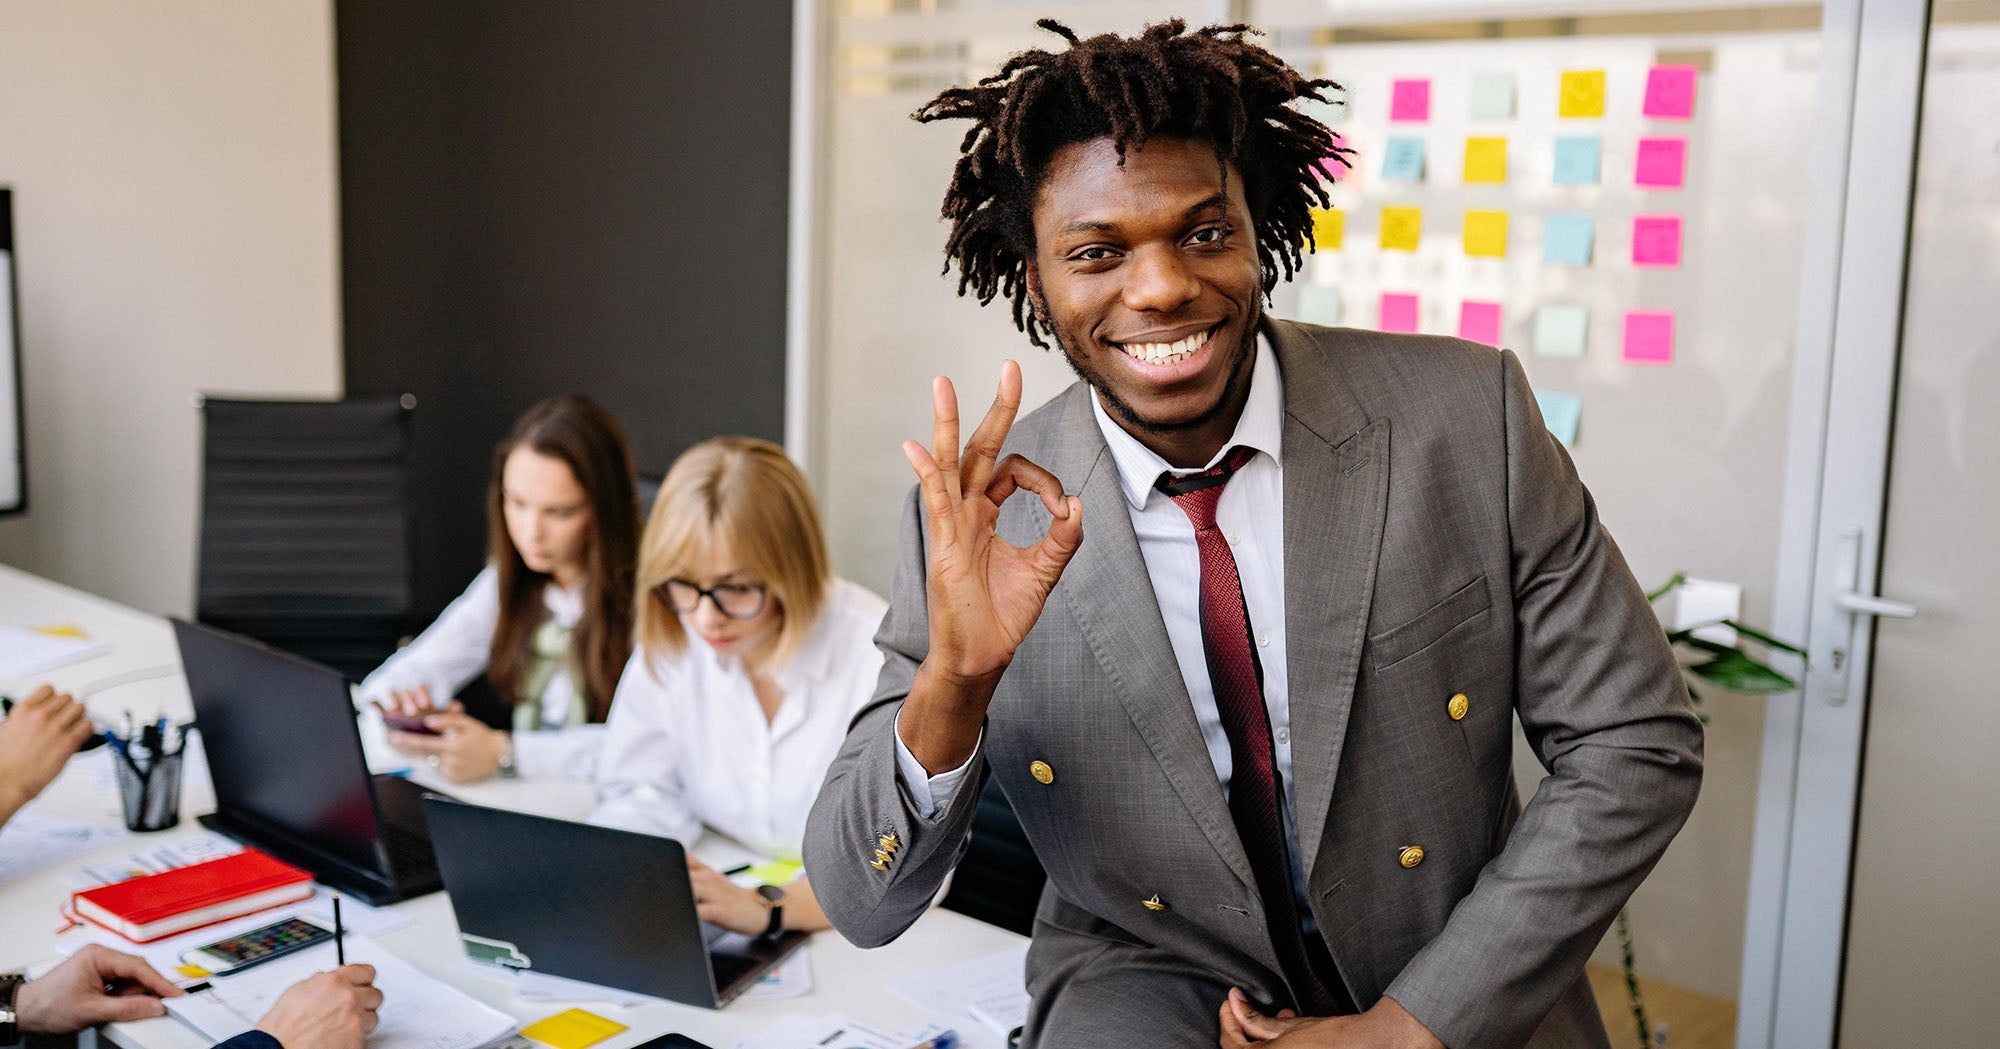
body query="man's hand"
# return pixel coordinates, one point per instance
(96, 985)
(1386, 1026)
(330, 1010)
(463, 750)
(984, 594)
(38, 736)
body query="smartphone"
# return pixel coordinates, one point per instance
(672, 1040)
(259, 945)
(408, 723)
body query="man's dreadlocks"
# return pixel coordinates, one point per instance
(1211, 84)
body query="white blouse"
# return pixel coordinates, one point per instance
(454, 650)
(687, 744)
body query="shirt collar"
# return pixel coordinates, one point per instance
(1260, 428)
(565, 605)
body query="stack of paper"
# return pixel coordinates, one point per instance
(418, 1011)
(25, 653)
(986, 994)
(30, 841)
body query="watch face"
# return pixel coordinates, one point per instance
(772, 894)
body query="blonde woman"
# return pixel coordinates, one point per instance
(751, 660)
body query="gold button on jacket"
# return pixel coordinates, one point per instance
(1042, 772)
(1152, 903)
(1411, 855)
(889, 842)
(1458, 706)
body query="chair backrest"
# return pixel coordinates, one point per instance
(999, 880)
(305, 518)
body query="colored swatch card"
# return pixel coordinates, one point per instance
(1649, 336)
(1560, 413)
(1479, 322)
(1662, 162)
(1559, 329)
(1577, 160)
(1329, 227)
(1399, 312)
(1492, 96)
(1486, 233)
(1656, 240)
(572, 1029)
(1403, 159)
(1567, 239)
(1410, 101)
(1319, 304)
(1402, 228)
(1670, 92)
(1486, 159)
(1582, 94)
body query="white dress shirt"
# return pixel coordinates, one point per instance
(454, 650)
(1251, 516)
(688, 746)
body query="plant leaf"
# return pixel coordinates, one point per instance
(1739, 673)
(1654, 595)
(1759, 635)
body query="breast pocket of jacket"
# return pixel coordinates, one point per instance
(1427, 628)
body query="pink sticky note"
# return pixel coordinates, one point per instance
(1670, 92)
(1649, 336)
(1410, 100)
(1656, 240)
(1662, 162)
(1399, 312)
(1479, 322)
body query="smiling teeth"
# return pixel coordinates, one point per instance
(1165, 352)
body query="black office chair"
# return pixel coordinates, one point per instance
(999, 880)
(305, 530)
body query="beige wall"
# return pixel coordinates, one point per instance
(175, 222)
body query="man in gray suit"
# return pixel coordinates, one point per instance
(1246, 664)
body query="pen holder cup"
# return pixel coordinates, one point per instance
(151, 799)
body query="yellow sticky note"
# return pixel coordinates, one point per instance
(1486, 159)
(777, 872)
(193, 972)
(1402, 227)
(70, 630)
(1582, 93)
(572, 1029)
(1328, 226)
(1486, 233)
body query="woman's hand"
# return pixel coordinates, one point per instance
(725, 903)
(463, 750)
(408, 702)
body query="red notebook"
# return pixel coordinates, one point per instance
(154, 906)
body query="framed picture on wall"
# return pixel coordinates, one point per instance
(13, 456)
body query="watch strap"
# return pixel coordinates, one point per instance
(10, 1020)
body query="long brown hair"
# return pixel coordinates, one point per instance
(588, 439)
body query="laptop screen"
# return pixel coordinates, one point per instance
(281, 743)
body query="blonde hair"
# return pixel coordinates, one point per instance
(746, 494)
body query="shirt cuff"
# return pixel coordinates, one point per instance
(929, 793)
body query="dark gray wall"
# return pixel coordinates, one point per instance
(540, 198)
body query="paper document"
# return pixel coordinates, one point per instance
(26, 652)
(990, 992)
(418, 1011)
(172, 855)
(835, 1032)
(31, 842)
(531, 986)
(792, 978)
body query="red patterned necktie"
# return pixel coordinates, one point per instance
(1238, 682)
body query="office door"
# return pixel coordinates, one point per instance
(1923, 939)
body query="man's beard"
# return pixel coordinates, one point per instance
(1239, 375)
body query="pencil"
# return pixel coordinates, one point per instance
(339, 948)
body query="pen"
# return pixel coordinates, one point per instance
(736, 870)
(943, 1040)
(339, 948)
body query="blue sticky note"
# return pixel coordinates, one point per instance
(1560, 413)
(1576, 161)
(1567, 239)
(1403, 159)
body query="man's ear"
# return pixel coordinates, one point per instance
(1036, 303)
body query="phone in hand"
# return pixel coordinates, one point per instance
(250, 948)
(411, 723)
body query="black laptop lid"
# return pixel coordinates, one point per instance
(570, 899)
(281, 743)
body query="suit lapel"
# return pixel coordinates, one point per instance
(1336, 498)
(1111, 598)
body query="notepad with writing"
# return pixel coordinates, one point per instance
(159, 905)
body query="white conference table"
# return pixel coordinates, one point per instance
(845, 979)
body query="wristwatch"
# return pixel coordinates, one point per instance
(774, 898)
(506, 767)
(10, 986)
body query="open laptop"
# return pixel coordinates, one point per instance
(589, 903)
(290, 777)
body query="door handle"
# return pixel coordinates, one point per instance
(1863, 605)
(1859, 607)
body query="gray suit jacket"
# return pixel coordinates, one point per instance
(1437, 543)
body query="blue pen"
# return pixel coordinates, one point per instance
(944, 1040)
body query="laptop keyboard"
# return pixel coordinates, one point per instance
(729, 968)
